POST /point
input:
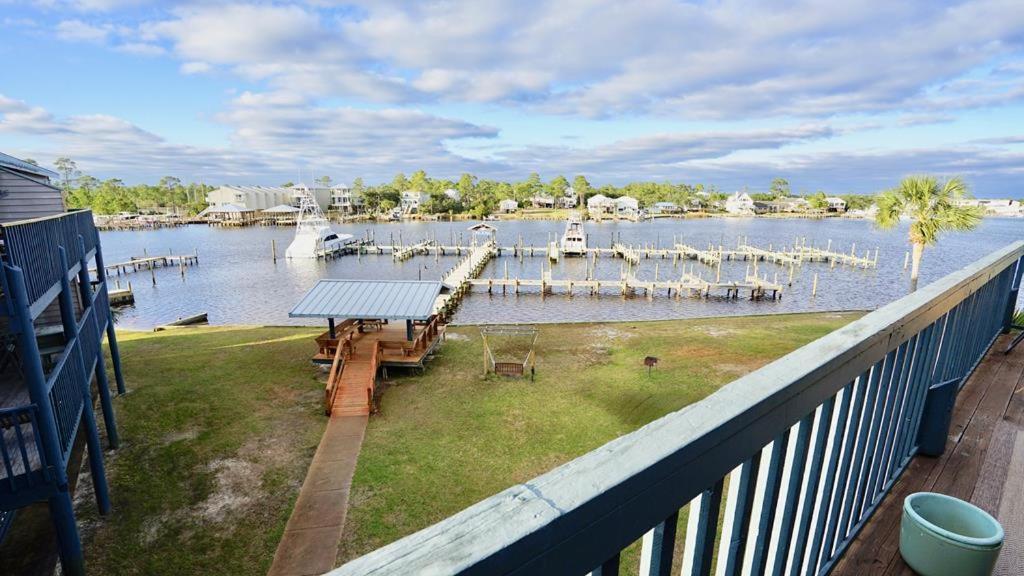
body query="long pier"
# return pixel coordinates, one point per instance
(459, 279)
(690, 284)
(712, 256)
(141, 263)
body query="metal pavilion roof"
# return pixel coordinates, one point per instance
(387, 299)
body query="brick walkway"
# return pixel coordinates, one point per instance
(310, 541)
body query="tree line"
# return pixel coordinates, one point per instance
(476, 196)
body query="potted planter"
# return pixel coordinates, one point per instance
(945, 536)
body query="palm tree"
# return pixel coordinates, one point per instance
(932, 206)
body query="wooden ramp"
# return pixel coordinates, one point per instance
(357, 380)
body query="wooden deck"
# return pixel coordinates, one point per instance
(983, 464)
(350, 384)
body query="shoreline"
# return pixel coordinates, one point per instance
(477, 324)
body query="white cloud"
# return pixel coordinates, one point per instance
(604, 58)
(140, 48)
(79, 31)
(195, 67)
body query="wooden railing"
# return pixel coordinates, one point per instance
(374, 366)
(31, 245)
(428, 334)
(808, 446)
(342, 351)
(20, 453)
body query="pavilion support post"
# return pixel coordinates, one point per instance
(408, 330)
(330, 328)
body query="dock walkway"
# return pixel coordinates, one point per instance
(140, 263)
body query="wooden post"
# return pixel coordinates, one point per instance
(273, 248)
(906, 259)
(814, 286)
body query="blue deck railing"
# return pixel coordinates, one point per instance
(22, 464)
(30, 245)
(44, 261)
(775, 472)
(65, 392)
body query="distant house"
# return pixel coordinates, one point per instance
(627, 205)
(250, 197)
(996, 207)
(600, 204)
(739, 203)
(508, 206)
(783, 205)
(542, 201)
(229, 214)
(345, 201)
(412, 200)
(26, 191)
(568, 199)
(665, 208)
(453, 195)
(835, 204)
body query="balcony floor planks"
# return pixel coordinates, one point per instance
(987, 418)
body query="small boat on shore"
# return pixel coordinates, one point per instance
(574, 240)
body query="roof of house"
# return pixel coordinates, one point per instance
(386, 299)
(225, 209)
(282, 209)
(9, 161)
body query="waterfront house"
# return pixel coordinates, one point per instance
(262, 197)
(739, 203)
(568, 198)
(799, 467)
(996, 207)
(835, 204)
(412, 200)
(627, 206)
(665, 208)
(600, 204)
(508, 206)
(229, 215)
(55, 314)
(251, 197)
(786, 205)
(345, 201)
(542, 201)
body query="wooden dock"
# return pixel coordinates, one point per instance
(688, 284)
(140, 263)
(459, 278)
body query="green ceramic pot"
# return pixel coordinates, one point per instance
(945, 536)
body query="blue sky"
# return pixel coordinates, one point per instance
(844, 97)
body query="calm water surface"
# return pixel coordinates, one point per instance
(237, 281)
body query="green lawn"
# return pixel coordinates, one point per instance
(220, 424)
(450, 437)
(218, 429)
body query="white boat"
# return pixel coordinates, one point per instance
(574, 240)
(313, 234)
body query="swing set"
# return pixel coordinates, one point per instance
(509, 350)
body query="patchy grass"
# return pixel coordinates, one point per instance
(218, 429)
(450, 437)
